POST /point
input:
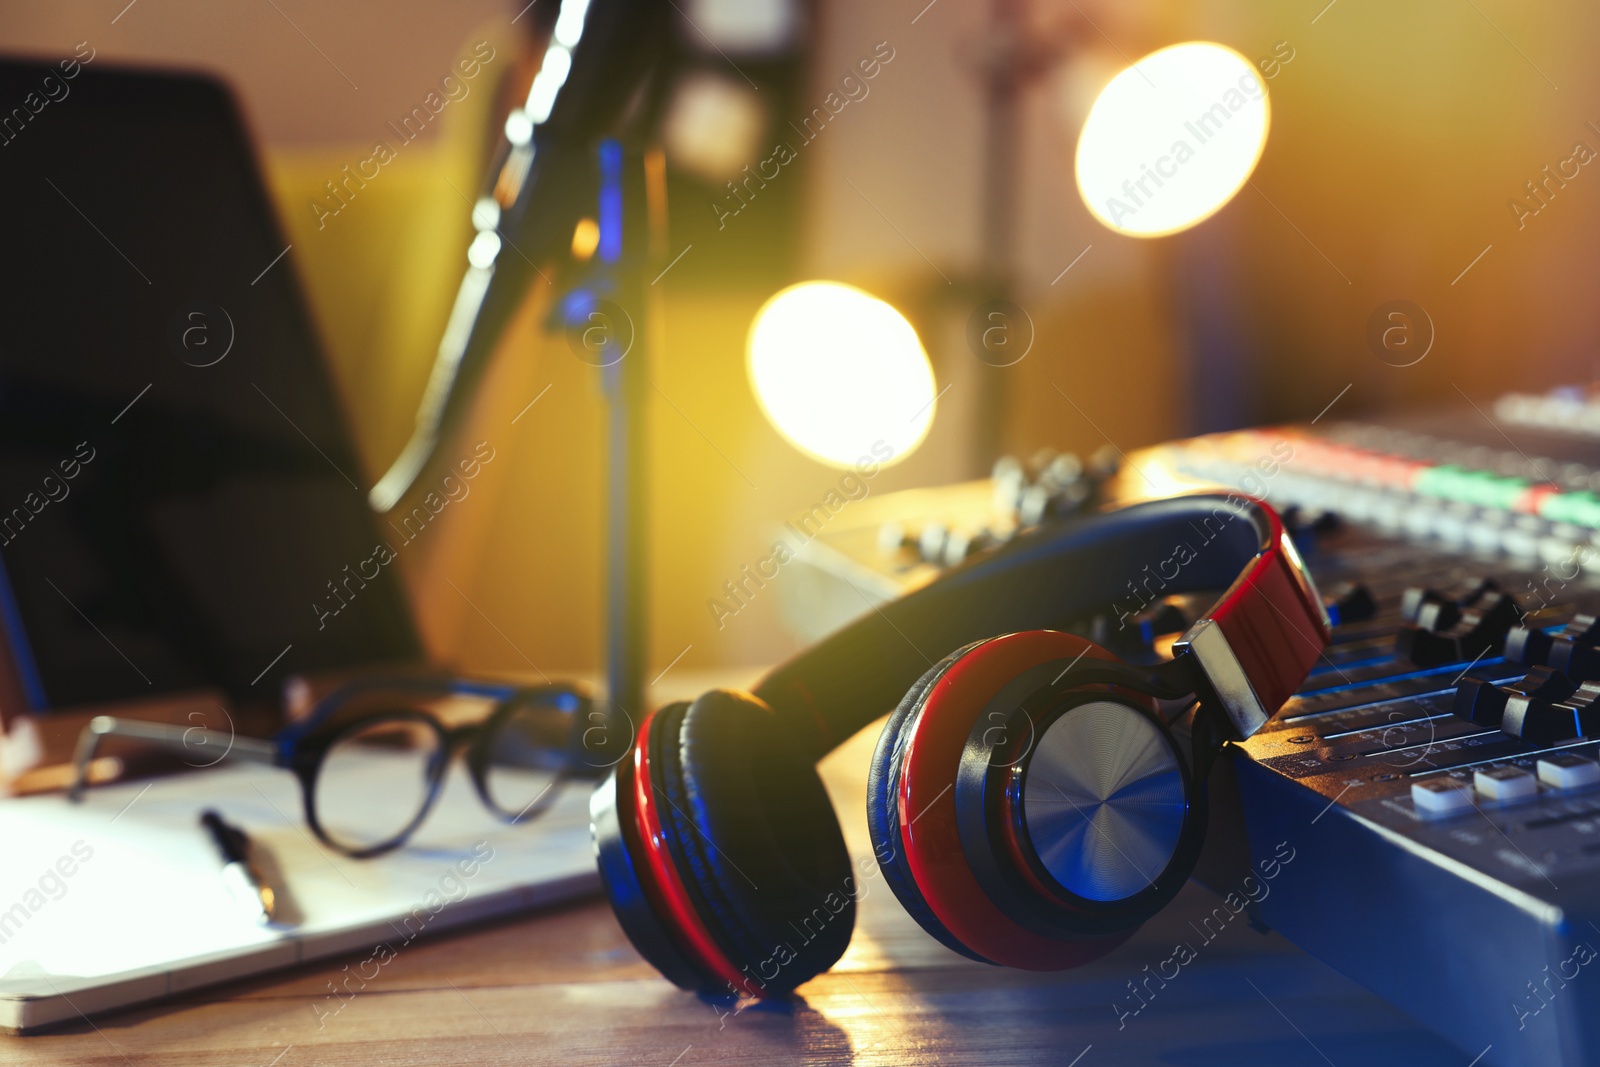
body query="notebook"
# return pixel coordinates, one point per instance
(119, 899)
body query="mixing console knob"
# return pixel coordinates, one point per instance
(1008, 480)
(1350, 602)
(1437, 615)
(961, 545)
(1571, 650)
(1062, 470)
(1543, 722)
(1528, 646)
(1447, 631)
(892, 537)
(1008, 468)
(1307, 522)
(1104, 462)
(1478, 701)
(1483, 703)
(1033, 505)
(1414, 599)
(1138, 635)
(1049, 484)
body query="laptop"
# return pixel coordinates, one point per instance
(178, 491)
(181, 511)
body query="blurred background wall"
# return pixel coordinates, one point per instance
(1400, 135)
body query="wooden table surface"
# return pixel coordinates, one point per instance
(565, 987)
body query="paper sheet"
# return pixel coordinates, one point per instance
(127, 885)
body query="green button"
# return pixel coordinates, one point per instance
(1495, 491)
(1440, 481)
(1580, 509)
(1483, 488)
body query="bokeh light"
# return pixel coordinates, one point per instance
(841, 374)
(1171, 139)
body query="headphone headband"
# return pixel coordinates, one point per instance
(1260, 640)
(1252, 648)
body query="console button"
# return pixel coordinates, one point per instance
(1443, 796)
(1505, 784)
(1567, 771)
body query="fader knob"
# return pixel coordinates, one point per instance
(1484, 703)
(1413, 599)
(1573, 651)
(1528, 646)
(1351, 602)
(1447, 633)
(1543, 722)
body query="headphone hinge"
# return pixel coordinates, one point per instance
(1223, 675)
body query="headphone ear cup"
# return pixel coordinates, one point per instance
(923, 772)
(756, 837)
(623, 852)
(883, 810)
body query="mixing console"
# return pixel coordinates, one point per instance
(1438, 773)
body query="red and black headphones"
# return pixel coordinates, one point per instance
(1027, 801)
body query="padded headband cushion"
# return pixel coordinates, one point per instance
(883, 810)
(758, 840)
(1045, 579)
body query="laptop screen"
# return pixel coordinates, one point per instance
(180, 505)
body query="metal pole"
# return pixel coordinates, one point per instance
(627, 178)
(1002, 82)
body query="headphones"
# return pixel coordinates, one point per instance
(1028, 803)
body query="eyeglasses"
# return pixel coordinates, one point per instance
(369, 778)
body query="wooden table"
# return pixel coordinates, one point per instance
(565, 987)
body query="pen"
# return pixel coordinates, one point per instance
(242, 880)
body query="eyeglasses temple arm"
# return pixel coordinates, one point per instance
(233, 746)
